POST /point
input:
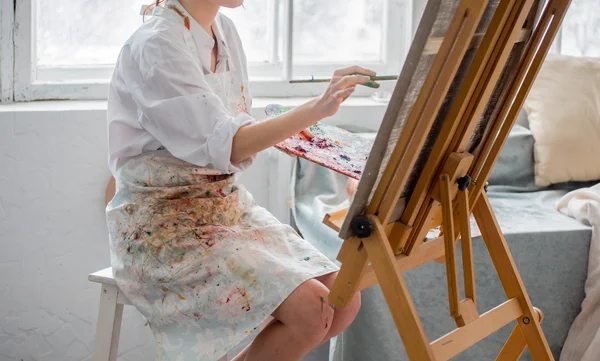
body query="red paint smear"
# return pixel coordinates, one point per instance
(321, 143)
(333, 148)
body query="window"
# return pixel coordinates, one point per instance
(6, 51)
(66, 49)
(580, 33)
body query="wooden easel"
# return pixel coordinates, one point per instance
(384, 244)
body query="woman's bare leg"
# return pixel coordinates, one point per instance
(343, 317)
(296, 329)
(301, 323)
(351, 188)
(242, 355)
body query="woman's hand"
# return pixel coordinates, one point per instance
(341, 86)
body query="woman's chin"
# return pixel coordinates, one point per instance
(231, 4)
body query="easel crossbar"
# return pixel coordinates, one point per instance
(464, 337)
(433, 44)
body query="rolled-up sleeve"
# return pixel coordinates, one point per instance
(178, 108)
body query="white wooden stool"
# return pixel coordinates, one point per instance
(110, 315)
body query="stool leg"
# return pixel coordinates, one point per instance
(108, 328)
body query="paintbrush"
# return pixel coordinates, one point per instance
(372, 84)
(307, 134)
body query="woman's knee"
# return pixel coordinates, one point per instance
(307, 311)
(348, 313)
(351, 310)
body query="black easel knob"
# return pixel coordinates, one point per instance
(362, 227)
(463, 182)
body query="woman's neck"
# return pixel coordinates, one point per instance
(203, 12)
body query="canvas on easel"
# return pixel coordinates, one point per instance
(469, 70)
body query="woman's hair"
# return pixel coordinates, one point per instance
(154, 4)
(149, 8)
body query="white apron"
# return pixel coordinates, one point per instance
(196, 255)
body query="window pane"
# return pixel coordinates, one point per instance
(254, 23)
(340, 31)
(84, 32)
(581, 29)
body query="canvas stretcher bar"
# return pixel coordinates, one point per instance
(433, 44)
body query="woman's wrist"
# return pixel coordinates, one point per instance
(316, 110)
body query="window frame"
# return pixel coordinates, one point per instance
(6, 50)
(29, 83)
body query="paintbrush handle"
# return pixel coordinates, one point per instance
(310, 81)
(373, 78)
(384, 77)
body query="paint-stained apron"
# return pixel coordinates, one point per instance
(196, 255)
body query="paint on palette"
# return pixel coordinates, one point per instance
(331, 147)
(273, 110)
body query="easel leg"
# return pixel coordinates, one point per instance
(450, 247)
(397, 296)
(510, 279)
(348, 279)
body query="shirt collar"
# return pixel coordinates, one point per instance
(204, 41)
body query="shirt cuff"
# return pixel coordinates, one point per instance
(220, 143)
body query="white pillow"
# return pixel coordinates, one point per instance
(564, 117)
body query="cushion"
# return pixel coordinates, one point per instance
(514, 166)
(563, 108)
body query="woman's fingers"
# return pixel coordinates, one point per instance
(344, 93)
(353, 70)
(341, 86)
(351, 80)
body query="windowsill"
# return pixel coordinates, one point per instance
(257, 104)
(359, 114)
(53, 106)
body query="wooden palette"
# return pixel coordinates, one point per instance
(331, 147)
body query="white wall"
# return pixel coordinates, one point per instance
(53, 171)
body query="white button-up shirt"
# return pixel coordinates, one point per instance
(160, 94)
